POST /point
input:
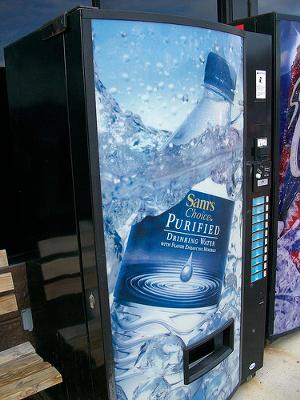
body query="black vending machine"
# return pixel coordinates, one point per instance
(284, 278)
(144, 182)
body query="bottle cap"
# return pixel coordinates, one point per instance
(219, 76)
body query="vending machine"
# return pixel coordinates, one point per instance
(284, 284)
(140, 203)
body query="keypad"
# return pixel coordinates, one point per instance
(259, 246)
(257, 268)
(257, 243)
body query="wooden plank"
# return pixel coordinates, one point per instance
(15, 352)
(8, 303)
(9, 317)
(6, 282)
(3, 259)
(13, 377)
(31, 384)
(20, 363)
(19, 275)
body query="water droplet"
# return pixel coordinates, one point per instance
(183, 39)
(145, 98)
(201, 58)
(187, 270)
(113, 90)
(185, 98)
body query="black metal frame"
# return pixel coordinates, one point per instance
(79, 139)
(87, 15)
(94, 13)
(275, 183)
(257, 47)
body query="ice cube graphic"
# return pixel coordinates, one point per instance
(120, 393)
(180, 394)
(161, 355)
(154, 389)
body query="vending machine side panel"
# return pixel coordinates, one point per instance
(40, 120)
(10, 237)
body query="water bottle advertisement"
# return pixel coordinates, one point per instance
(287, 292)
(169, 103)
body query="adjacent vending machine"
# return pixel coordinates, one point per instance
(284, 285)
(136, 186)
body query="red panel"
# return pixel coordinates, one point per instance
(241, 27)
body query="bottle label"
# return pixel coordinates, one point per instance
(177, 259)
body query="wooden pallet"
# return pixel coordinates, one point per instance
(23, 373)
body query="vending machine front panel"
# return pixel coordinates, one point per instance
(287, 286)
(170, 137)
(283, 273)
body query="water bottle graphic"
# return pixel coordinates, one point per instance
(172, 271)
(214, 108)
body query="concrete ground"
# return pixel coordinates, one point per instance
(279, 379)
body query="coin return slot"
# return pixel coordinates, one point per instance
(202, 357)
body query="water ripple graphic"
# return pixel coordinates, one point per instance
(202, 290)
